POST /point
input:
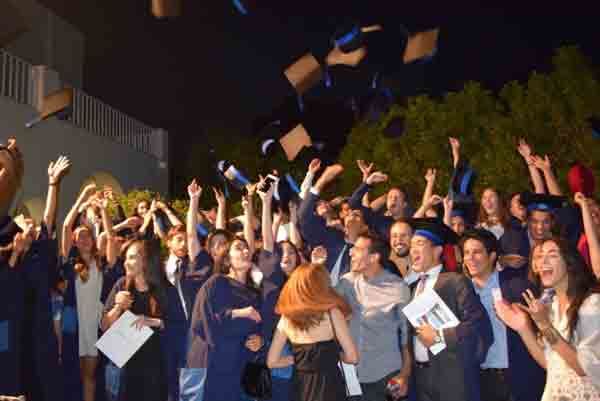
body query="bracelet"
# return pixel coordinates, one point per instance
(551, 335)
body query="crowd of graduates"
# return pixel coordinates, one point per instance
(302, 283)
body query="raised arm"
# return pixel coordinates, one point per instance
(221, 222)
(378, 204)
(313, 168)
(430, 179)
(455, 147)
(249, 218)
(448, 206)
(111, 251)
(546, 166)
(590, 232)
(173, 219)
(267, 220)
(295, 236)
(67, 230)
(194, 191)
(536, 178)
(56, 170)
(428, 204)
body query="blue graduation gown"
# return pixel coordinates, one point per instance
(175, 334)
(12, 314)
(217, 339)
(40, 267)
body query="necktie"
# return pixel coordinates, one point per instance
(421, 285)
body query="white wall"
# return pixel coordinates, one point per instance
(88, 154)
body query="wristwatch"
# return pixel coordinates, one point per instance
(438, 337)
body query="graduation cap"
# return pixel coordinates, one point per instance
(348, 37)
(434, 230)
(463, 209)
(542, 202)
(57, 104)
(232, 174)
(304, 73)
(487, 238)
(166, 8)
(581, 179)
(243, 6)
(421, 46)
(12, 23)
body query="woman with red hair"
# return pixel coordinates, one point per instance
(313, 318)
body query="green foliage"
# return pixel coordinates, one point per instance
(551, 111)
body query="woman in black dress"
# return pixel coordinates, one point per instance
(143, 377)
(313, 318)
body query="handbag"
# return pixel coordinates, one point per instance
(256, 380)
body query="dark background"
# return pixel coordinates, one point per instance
(214, 71)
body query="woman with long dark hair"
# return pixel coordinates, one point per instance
(492, 214)
(313, 318)
(225, 326)
(144, 374)
(569, 324)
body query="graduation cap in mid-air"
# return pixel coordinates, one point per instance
(59, 104)
(231, 174)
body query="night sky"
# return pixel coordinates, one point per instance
(214, 70)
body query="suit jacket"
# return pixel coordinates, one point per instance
(527, 378)
(466, 344)
(315, 232)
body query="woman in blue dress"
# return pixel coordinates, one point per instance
(225, 328)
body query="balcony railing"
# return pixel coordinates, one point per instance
(88, 112)
(15, 75)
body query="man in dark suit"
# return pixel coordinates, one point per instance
(508, 372)
(315, 231)
(453, 373)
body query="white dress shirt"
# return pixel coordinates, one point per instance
(421, 354)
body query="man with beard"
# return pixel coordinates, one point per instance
(516, 243)
(377, 298)
(396, 204)
(400, 234)
(315, 231)
(11, 175)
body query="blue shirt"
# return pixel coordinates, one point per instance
(497, 356)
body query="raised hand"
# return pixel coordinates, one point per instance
(524, 150)
(430, 175)
(454, 143)
(538, 311)
(219, 196)
(314, 166)
(365, 168)
(57, 169)
(194, 190)
(434, 200)
(512, 315)
(88, 191)
(542, 164)
(251, 189)
(376, 178)
(268, 195)
(580, 199)
(448, 203)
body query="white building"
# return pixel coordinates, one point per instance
(103, 144)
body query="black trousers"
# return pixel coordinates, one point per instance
(495, 385)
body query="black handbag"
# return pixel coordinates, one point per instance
(256, 380)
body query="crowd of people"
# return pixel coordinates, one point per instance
(306, 285)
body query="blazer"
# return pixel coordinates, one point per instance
(527, 378)
(466, 344)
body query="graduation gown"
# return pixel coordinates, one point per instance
(12, 314)
(217, 339)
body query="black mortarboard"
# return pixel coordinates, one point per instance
(434, 230)
(422, 45)
(12, 23)
(484, 236)
(348, 37)
(542, 202)
(229, 172)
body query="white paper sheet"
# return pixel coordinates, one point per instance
(352, 383)
(122, 340)
(428, 307)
